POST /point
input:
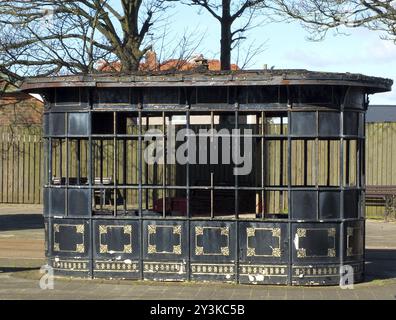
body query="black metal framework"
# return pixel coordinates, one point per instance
(295, 219)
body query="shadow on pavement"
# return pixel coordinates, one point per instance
(17, 269)
(380, 264)
(21, 222)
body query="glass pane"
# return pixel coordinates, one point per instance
(303, 123)
(102, 123)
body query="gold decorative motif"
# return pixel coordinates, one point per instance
(250, 232)
(225, 251)
(80, 228)
(177, 229)
(331, 252)
(128, 229)
(199, 231)
(316, 272)
(152, 248)
(199, 251)
(56, 227)
(276, 252)
(102, 229)
(225, 231)
(116, 267)
(80, 248)
(301, 233)
(273, 270)
(331, 232)
(251, 252)
(152, 229)
(127, 248)
(276, 232)
(164, 267)
(70, 265)
(56, 247)
(349, 252)
(103, 248)
(177, 249)
(212, 269)
(350, 231)
(301, 253)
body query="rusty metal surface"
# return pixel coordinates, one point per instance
(212, 78)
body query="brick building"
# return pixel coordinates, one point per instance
(18, 108)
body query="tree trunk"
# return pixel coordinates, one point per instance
(226, 37)
(225, 44)
(131, 57)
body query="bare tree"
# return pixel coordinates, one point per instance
(245, 55)
(320, 16)
(46, 37)
(227, 12)
(175, 51)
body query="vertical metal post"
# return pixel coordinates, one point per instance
(188, 213)
(146, 167)
(67, 165)
(91, 191)
(236, 194)
(211, 171)
(342, 213)
(164, 171)
(115, 162)
(289, 188)
(140, 192)
(124, 170)
(263, 161)
(316, 153)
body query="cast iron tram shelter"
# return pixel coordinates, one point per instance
(295, 219)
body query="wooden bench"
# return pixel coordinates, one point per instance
(382, 196)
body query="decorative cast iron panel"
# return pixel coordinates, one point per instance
(116, 248)
(263, 242)
(212, 248)
(315, 242)
(70, 238)
(218, 237)
(354, 234)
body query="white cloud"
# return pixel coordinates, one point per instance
(384, 98)
(381, 51)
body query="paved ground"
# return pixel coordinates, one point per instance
(21, 255)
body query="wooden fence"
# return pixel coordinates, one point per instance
(22, 158)
(21, 163)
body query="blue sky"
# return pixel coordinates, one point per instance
(362, 51)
